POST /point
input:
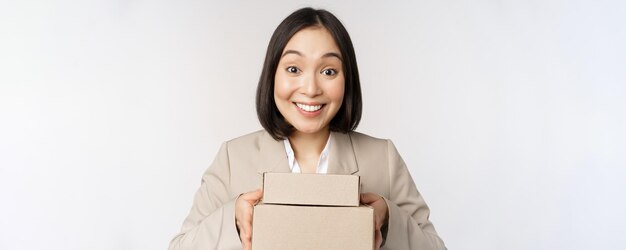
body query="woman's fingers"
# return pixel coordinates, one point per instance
(243, 215)
(247, 227)
(380, 207)
(246, 241)
(253, 197)
(257, 194)
(380, 214)
(378, 239)
(247, 245)
(246, 235)
(369, 198)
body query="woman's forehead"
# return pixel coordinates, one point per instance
(315, 41)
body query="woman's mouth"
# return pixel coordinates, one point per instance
(309, 108)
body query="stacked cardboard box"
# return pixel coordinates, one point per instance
(311, 211)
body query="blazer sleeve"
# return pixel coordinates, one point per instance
(408, 226)
(211, 221)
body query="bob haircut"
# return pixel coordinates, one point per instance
(349, 114)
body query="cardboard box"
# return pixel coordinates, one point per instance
(311, 211)
(278, 227)
(311, 189)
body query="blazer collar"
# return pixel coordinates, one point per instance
(273, 157)
(341, 156)
(342, 160)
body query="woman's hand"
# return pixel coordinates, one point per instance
(244, 205)
(381, 214)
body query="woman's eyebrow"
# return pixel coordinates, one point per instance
(333, 54)
(295, 52)
(291, 52)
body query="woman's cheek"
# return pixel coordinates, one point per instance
(338, 89)
(282, 88)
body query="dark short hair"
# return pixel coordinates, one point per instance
(349, 114)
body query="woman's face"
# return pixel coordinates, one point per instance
(309, 82)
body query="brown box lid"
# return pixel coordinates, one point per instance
(277, 227)
(311, 189)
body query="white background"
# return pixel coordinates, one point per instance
(510, 114)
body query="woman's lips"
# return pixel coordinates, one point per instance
(309, 110)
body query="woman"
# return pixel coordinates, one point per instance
(309, 102)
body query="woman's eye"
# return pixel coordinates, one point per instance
(329, 72)
(292, 69)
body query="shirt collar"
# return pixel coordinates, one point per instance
(322, 165)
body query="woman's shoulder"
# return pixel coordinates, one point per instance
(366, 143)
(253, 136)
(251, 139)
(361, 138)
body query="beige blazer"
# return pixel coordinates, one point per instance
(240, 163)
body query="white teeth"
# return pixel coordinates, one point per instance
(309, 108)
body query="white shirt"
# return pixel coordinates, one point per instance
(322, 165)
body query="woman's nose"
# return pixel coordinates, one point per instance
(310, 85)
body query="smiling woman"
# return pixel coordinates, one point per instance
(309, 102)
(302, 42)
(309, 82)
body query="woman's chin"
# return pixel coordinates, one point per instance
(310, 130)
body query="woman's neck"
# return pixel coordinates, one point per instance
(308, 145)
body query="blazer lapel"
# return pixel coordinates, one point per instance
(273, 157)
(341, 156)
